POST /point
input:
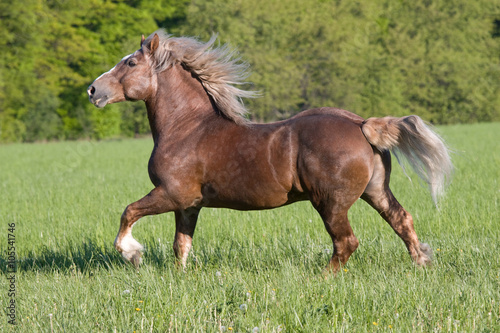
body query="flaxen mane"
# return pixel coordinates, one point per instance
(217, 68)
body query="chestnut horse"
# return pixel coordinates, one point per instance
(206, 154)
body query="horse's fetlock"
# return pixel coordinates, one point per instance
(127, 214)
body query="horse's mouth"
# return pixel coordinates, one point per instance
(101, 102)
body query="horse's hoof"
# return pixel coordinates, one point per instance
(136, 259)
(425, 257)
(134, 256)
(130, 249)
(330, 271)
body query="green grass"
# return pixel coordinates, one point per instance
(248, 269)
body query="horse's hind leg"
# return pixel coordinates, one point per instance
(402, 223)
(153, 203)
(380, 197)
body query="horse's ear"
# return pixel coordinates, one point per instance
(142, 40)
(155, 42)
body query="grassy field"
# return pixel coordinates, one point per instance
(249, 271)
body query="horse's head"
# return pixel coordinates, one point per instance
(131, 79)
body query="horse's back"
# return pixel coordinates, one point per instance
(333, 112)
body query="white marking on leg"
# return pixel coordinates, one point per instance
(182, 246)
(184, 254)
(129, 247)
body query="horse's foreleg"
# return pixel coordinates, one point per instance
(185, 223)
(337, 225)
(153, 203)
(344, 241)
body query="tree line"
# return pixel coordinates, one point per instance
(439, 59)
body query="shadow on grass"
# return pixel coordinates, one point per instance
(89, 256)
(84, 257)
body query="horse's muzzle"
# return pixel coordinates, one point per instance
(95, 98)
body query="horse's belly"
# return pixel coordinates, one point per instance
(244, 194)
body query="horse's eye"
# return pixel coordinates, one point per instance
(131, 63)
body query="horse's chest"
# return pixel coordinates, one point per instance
(154, 175)
(169, 169)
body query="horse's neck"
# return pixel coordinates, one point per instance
(180, 103)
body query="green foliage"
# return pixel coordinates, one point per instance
(66, 200)
(53, 51)
(437, 58)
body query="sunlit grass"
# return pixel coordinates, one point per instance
(248, 270)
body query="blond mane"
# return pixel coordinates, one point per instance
(218, 69)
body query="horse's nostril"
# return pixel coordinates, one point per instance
(91, 90)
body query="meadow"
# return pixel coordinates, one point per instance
(249, 271)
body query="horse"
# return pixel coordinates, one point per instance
(208, 154)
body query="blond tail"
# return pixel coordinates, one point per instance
(425, 151)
